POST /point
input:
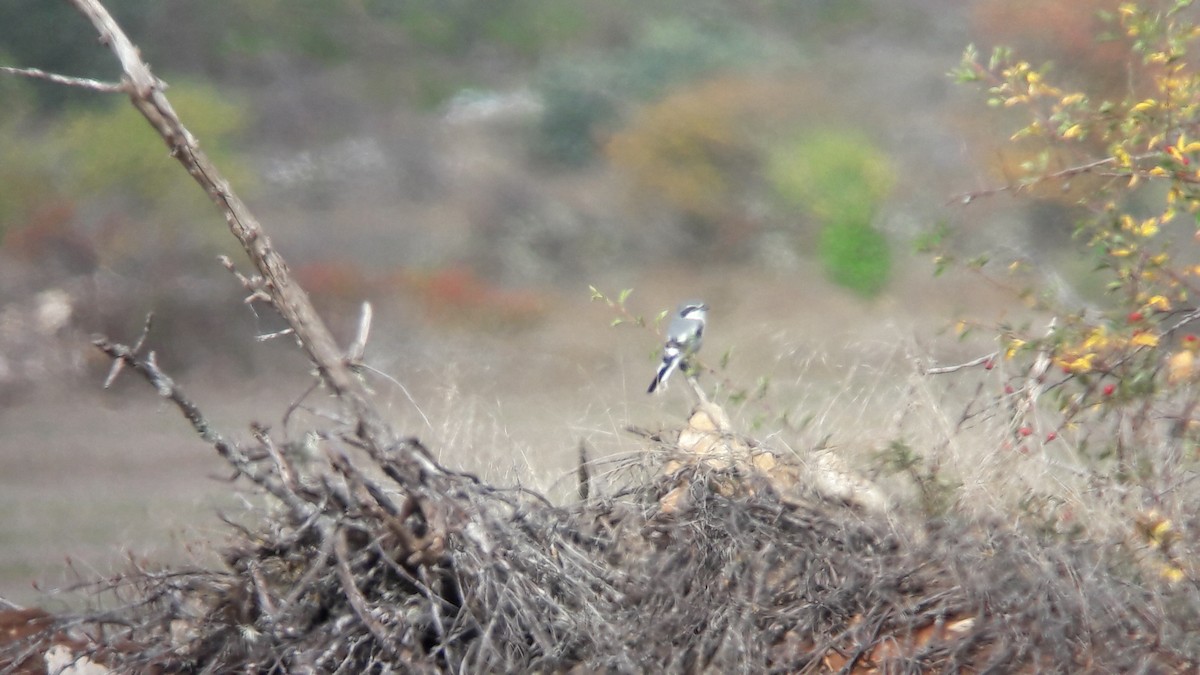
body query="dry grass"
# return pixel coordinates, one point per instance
(687, 557)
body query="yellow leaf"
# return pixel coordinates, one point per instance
(1072, 99)
(1148, 228)
(1075, 131)
(1144, 339)
(1160, 303)
(1172, 573)
(1158, 171)
(1097, 340)
(1160, 530)
(1144, 105)
(1120, 252)
(1013, 346)
(1081, 364)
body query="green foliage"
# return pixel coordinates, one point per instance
(1120, 386)
(113, 152)
(679, 50)
(108, 154)
(576, 106)
(29, 171)
(624, 315)
(579, 94)
(840, 178)
(835, 175)
(54, 37)
(856, 256)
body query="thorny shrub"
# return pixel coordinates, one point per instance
(1119, 384)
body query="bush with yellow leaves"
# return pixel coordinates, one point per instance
(1117, 384)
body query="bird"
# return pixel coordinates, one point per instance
(684, 335)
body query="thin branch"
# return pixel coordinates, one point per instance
(355, 597)
(166, 387)
(290, 300)
(119, 364)
(81, 82)
(942, 370)
(358, 348)
(1067, 173)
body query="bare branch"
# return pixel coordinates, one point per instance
(358, 348)
(357, 602)
(942, 370)
(583, 473)
(229, 451)
(81, 82)
(119, 364)
(1067, 173)
(290, 300)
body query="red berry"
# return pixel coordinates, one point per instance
(1109, 389)
(1051, 436)
(1008, 389)
(1135, 317)
(989, 364)
(1025, 431)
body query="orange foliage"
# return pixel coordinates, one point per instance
(451, 294)
(1063, 31)
(691, 148)
(458, 295)
(335, 279)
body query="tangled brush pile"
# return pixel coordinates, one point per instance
(726, 559)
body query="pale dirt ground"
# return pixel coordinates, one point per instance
(92, 476)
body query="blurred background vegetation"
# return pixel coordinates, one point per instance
(471, 166)
(477, 164)
(718, 131)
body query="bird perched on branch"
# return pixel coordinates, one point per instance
(684, 334)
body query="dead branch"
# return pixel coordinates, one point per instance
(942, 370)
(229, 451)
(81, 82)
(146, 92)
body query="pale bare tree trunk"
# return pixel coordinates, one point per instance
(146, 92)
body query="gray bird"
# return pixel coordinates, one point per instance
(684, 335)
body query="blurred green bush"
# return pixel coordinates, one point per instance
(106, 161)
(841, 178)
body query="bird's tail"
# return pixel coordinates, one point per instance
(668, 365)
